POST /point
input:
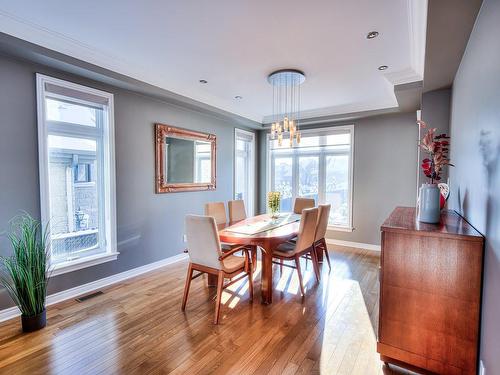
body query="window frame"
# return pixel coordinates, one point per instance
(104, 131)
(251, 172)
(295, 169)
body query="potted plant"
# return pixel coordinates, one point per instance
(437, 148)
(25, 274)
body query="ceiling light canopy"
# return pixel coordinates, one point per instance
(286, 104)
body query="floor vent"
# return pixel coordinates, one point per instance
(89, 296)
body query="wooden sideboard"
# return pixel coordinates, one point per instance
(430, 293)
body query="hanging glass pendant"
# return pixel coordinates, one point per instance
(286, 104)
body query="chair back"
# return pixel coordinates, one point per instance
(307, 228)
(203, 241)
(301, 203)
(322, 224)
(236, 210)
(216, 210)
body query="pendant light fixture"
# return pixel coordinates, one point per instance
(286, 105)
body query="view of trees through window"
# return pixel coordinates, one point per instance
(319, 168)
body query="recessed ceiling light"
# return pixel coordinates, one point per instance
(203, 81)
(239, 97)
(372, 34)
(383, 67)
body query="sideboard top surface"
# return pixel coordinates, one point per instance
(403, 219)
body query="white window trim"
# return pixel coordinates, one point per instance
(109, 165)
(339, 228)
(252, 166)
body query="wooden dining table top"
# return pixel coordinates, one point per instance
(266, 240)
(279, 234)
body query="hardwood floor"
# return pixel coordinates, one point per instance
(137, 327)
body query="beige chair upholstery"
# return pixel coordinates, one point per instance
(322, 225)
(301, 203)
(205, 254)
(304, 245)
(236, 210)
(319, 238)
(305, 237)
(216, 210)
(204, 247)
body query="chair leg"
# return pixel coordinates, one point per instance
(186, 286)
(220, 284)
(325, 248)
(314, 260)
(297, 265)
(281, 267)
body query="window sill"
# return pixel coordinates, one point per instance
(77, 264)
(340, 229)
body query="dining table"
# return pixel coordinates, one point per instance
(265, 233)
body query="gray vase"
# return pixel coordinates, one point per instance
(429, 208)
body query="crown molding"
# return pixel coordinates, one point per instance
(417, 27)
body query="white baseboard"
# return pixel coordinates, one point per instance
(358, 245)
(12, 312)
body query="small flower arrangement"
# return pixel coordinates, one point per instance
(437, 147)
(273, 202)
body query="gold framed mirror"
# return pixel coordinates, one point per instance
(185, 160)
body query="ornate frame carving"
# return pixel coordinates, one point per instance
(162, 186)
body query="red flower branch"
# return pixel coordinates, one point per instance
(437, 147)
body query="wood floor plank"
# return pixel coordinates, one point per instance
(137, 327)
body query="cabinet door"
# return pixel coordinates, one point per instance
(429, 298)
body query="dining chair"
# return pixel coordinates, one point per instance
(217, 210)
(304, 245)
(236, 210)
(301, 203)
(320, 233)
(206, 256)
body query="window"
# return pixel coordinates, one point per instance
(320, 168)
(77, 183)
(244, 168)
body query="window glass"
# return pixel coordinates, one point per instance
(244, 182)
(283, 170)
(337, 188)
(57, 110)
(308, 176)
(318, 168)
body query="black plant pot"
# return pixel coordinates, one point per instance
(35, 322)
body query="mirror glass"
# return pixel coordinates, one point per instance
(187, 161)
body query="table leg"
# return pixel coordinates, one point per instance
(267, 277)
(212, 280)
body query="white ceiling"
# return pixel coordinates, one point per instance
(234, 45)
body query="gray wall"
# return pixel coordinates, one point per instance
(385, 155)
(475, 150)
(149, 226)
(436, 113)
